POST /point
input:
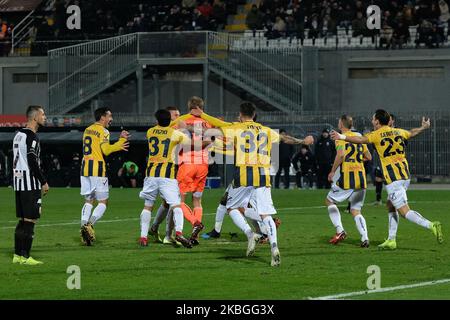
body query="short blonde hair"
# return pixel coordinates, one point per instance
(195, 102)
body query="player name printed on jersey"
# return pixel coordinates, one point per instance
(162, 143)
(24, 178)
(390, 145)
(93, 163)
(253, 150)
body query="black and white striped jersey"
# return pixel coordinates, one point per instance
(27, 173)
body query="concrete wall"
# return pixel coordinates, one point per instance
(337, 90)
(15, 97)
(406, 90)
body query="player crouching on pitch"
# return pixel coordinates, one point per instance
(161, 175)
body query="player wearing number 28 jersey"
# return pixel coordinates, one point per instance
(349, 182)
(94, 183)
(390, 145)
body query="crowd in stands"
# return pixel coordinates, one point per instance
(115, 17)
(318, 19)
(105, 18)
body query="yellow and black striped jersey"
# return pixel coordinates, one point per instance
(95, 145)
(222, 146)
(93, 163)
(352, 174)
(162, 143)
(252, 148)
(390, 145)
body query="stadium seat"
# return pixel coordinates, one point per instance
(320, 42)
(307, 42)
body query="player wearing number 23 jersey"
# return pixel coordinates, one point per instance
(390, 145)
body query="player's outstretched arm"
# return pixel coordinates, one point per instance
(122, 145)
(179, 121)
(367, 155)
(292, 140)
(210, 119)
(353, 139)
(426, 123)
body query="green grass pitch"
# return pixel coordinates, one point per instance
(117, 268)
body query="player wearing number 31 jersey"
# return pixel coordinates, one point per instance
(94, 183)
(160, 177)
(390, 145)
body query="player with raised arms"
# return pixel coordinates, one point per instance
(251, 184)
(390, 145)
(94, 182)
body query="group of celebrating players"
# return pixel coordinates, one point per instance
(178, 160)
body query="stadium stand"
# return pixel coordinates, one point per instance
(420, 23)
(42, 27)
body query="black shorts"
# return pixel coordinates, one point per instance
(28, 204)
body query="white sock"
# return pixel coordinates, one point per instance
(98, 213)
(178, 219)
(255, 225)
(415, 217)
(145, 222)
(170, 224)
(161, 214)
(393, 225)
(220, 216)
(361, 226)
(262, 227)
(86, 213)
(271, 231)
(240, 222)
(335, 217)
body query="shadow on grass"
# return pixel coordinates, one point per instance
(238, 255)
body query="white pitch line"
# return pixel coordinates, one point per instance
(360, 293)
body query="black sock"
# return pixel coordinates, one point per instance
(28, 228)
(18, 238)
(378, 188)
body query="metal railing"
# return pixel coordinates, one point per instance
(261, 73)
(428, 153)
(78, 73)
(21, 32)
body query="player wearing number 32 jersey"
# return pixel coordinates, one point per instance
(390, 145)
(251, 184)
(94, 183)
